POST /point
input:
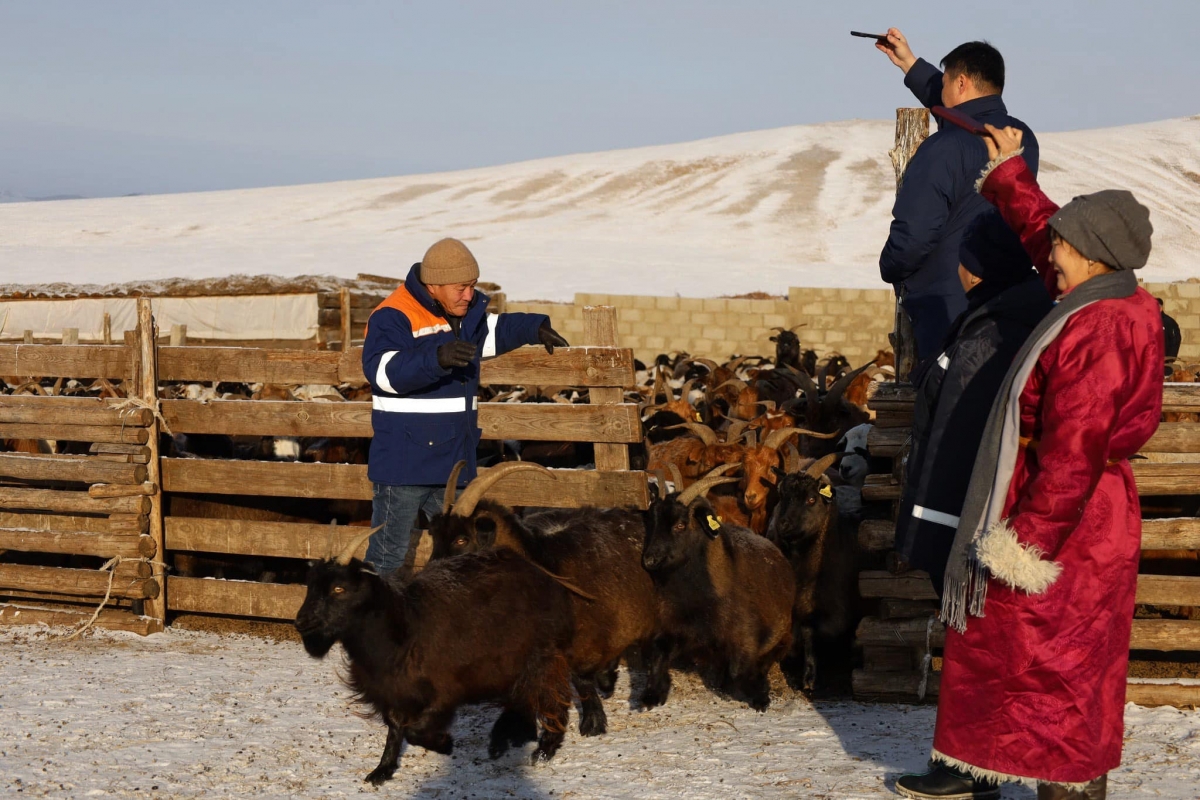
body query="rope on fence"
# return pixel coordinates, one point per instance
(111, 567)
(129, 404)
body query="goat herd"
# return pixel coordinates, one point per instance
(527, 611)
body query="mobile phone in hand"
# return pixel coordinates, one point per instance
(879, 37)
(958, 118)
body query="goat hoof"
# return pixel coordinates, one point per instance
(760, 703)
(593, 725)
(547, 747)
(652, 698)
(497, 749)
(380, 776)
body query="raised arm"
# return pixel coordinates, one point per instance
(922, 78)
(1008, 184)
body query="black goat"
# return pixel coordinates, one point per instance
(805, 525)
(597, 553)
(725, 594)
(487, 627)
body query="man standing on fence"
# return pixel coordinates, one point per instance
(421, 354)
(937, 199)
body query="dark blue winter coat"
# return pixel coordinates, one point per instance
(425, 416)
(936, 201)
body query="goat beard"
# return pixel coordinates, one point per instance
(317, 644)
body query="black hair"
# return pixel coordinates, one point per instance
(980, 62)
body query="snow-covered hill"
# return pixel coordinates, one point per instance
(805, 205)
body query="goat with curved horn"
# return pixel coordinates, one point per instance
(452, 487)
(347, 553)
(818, 467)
(702, 486)
(791, 459)
(702, 432)
(840, 385)
(471, 495)
(775, 439)
(738, 382)
(736, 429)
(676, 476)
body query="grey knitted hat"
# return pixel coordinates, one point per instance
(448, 261)
(1110, 227)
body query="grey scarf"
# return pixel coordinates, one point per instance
(966, 578)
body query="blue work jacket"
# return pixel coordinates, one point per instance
(425, 416)
(936, 202)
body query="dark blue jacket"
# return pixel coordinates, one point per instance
(936, 201)
(424, 415)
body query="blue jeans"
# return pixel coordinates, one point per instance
(396, 508)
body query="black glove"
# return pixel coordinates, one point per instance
(549, 337)
(456, 354)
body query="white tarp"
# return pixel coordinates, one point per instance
(267, 316)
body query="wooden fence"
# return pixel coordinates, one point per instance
(116, 506)
(896, 638)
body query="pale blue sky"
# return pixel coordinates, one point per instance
(108, 98)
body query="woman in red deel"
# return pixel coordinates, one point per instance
(1040, 584)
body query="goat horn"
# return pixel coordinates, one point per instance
(660, 384)
(676, 476)
(791, 459)
(736, 429)
(471, 495)
(452, 487)
(702, 432)
(702, 486)
(795, 328)
(344, 557)
(739, 383)
(777, 328)
(839, 387)
(733, 366)
(708, 362)
(776, 438)
(686, 390)
(817, 468)
(661, 478)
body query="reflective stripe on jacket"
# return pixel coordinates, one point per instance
(425, 417)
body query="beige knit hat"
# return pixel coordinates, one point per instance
(448, 261)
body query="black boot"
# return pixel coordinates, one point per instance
(1095, 790)
(946, 783)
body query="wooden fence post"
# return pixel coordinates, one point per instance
(70, 336)
(912, 128)
(178, 335)
(147, 389)
(600, 330)
(347, 329)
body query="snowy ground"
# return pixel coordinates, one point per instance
(188, 714)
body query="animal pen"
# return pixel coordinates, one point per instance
(108, 504)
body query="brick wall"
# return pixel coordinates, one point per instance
(853, 322)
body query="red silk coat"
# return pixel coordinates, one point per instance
(1036, 687)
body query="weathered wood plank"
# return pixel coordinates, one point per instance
(893, 685)
(875, 535)
(121, 490)
(1181, 397)
(1165, 634)
(1159, 479)
(887, 442)
(1178, 533)
(234, 598)
(893, 608)
(877, 658)
(105, 545)
(242, 537)
(1162, 694)
(569, 366)
(1168, 590)
(600, 329)
(900, 632)
(880, 488)
(569, 488)
(529, 366)
(56, 522)
(913, 585)
(1174, 437)
(58, 468)
(66, 361)
(551, 422)
(109, 619)
(75, 433)
(69, 411)
(70, 502)
(81, 582)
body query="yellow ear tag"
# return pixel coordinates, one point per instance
(698, 417)
(827, 491)
(713, 524)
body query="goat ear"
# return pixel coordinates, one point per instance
(778, 472)
(485, 531)
(706, 518)
(826, 491)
